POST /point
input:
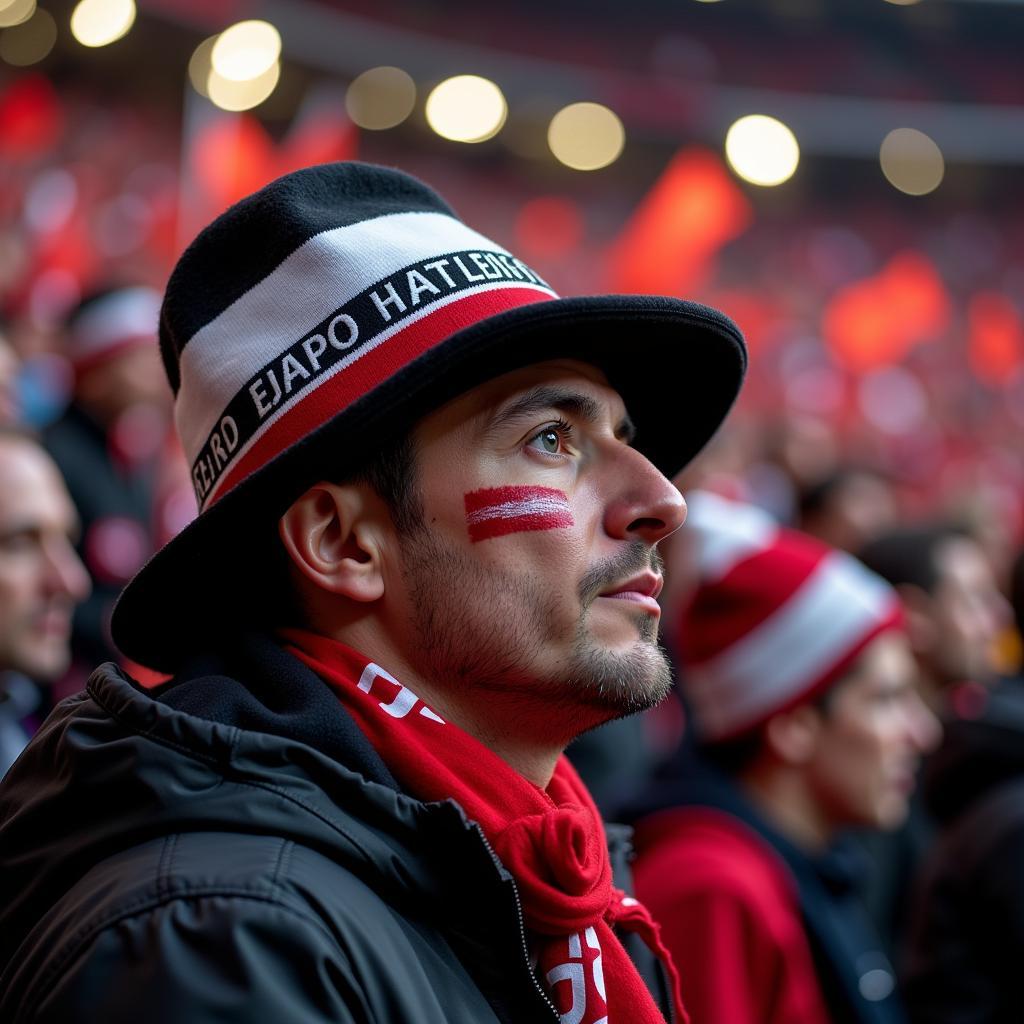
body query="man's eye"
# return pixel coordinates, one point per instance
(552, 439)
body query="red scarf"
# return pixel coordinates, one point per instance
(552, 841)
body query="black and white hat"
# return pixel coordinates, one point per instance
(330, 311)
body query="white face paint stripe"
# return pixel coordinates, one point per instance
(782, 657)
(318, 278)
(512, 509)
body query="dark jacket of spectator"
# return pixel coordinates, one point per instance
(236, 850)
(967, 933)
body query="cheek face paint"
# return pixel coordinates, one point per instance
(495, 511)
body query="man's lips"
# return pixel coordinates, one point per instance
(643, 590)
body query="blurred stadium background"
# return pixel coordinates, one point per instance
(866, 227)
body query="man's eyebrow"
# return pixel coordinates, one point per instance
(567, 400)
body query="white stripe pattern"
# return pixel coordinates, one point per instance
(724, 533)
(318, 278)
(380, 339)
(785, 654)
(520, 507)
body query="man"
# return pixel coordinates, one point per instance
(107, 445)
(955, 614)
(41, 581)
(966, 934)
(425, 560)
(801, 687)
(955, 611)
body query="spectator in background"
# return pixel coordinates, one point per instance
(800, 683)
(847, 508)
(41, 581)
(955, 611)
(967, 930)
(108, 445)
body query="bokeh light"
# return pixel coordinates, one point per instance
(15, 12)
(466, 108)
(229, 94)
(101, 22)
(246, 51)
(380, 98)
(200, 66)
(29, 42)
(762, 150)
(911, 161)
(586, 136)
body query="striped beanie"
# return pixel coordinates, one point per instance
(776, 617)
(329, 312)
(110, 321)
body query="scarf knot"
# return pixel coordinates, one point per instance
(560, 862)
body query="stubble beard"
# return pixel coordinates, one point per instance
(486, 629)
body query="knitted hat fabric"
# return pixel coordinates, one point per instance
(329, 312)
(776, 617)
(110, 321)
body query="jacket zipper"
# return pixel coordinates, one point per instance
(524, 945)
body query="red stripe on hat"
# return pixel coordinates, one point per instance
(369, 371)
(723, 612)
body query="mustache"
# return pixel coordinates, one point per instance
(635, 559)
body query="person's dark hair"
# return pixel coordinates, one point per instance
(908, 555)
(20, 432)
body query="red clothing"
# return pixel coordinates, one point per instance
(730, 916)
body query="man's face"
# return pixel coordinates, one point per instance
(873, 732)
(968, 612)
(41, 577)
(532, 581)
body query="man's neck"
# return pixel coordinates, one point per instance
(783, 799)
(500, 725)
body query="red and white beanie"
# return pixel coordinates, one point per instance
(776, 618)
(109, 322)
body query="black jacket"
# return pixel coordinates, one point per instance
(856, 977)
(239, 852)
(967, 932)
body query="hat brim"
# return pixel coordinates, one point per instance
(677, 365)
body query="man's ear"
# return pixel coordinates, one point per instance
(793, 735)
(332, 535)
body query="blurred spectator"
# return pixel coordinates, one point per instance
(955, 611)
(108, 445)
(967, 932)
(801, 685)
(41, 580)
(847, 508)
(955, 614)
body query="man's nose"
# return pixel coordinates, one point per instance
(923, 726)
(66, 575)
(646, 505)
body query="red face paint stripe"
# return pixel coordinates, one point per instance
(497, 511)
(339, 391)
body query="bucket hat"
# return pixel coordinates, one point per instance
(330, 311)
